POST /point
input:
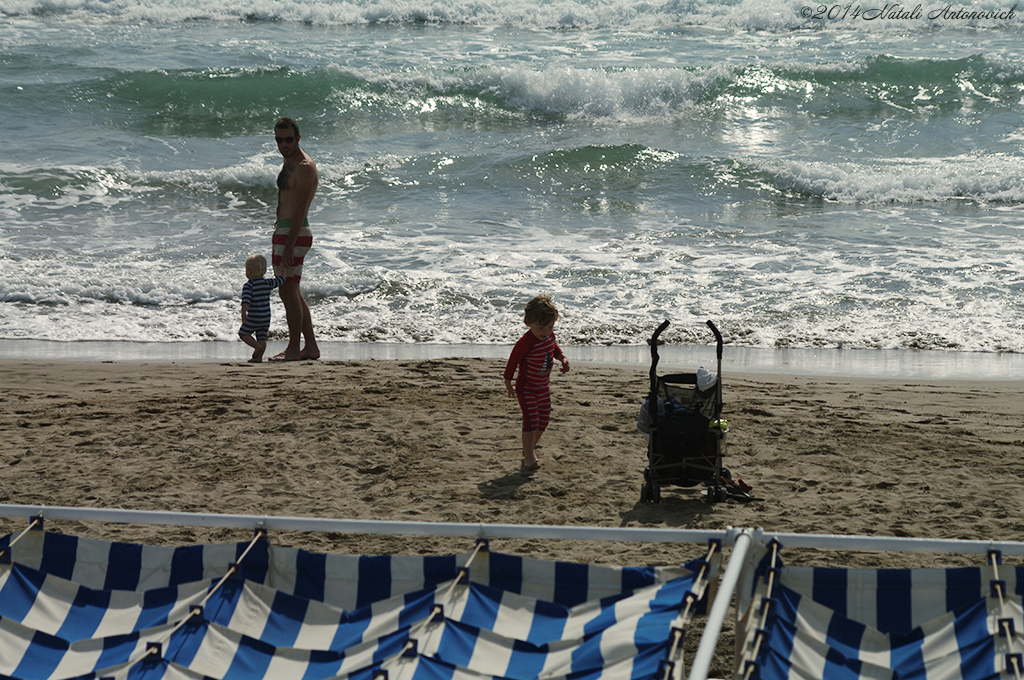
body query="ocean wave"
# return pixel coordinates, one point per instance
(42, 190)
(583, 174)
(629, 94)
(880, 284)
(989, 178)
(753, 15)
(232, 102)
(875, 86)
(450, 315)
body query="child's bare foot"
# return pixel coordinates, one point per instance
(528, 466)
(257, 354)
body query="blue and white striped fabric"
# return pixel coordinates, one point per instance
(82, 608)
(887, 623)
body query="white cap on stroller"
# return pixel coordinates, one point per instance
(705, 379)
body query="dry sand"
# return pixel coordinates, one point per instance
(438, 440)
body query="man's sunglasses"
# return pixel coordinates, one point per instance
(284, 140)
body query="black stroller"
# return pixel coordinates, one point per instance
(683, 418)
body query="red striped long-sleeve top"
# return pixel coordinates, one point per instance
(534, 358)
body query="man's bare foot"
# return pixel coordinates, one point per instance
(310, 356)
(284, 356)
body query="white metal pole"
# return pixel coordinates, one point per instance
(720, 607)
(364, 526)
(584, 533)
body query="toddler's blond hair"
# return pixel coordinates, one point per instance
(255, 266)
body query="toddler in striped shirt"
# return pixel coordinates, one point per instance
(530, 364)
(256, 306)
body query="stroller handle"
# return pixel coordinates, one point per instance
(718, 341)
(654, 357)
(653, 342)
(718, 350)
(659, 331)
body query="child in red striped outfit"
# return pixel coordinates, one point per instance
(534, 355)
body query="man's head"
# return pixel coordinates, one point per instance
(287, 124)
(286, 134)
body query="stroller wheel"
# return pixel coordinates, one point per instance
(716, 494)
(650, 493)
(727, 473)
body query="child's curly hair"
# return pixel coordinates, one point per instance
(540, 310)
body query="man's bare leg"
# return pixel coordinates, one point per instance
(311, 350)
(293, 311)
(300, 326)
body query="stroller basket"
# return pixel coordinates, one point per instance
(683, 451)
(682, 415)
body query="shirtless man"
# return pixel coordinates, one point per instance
(296, 185)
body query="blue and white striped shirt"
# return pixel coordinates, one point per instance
(256, 294)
